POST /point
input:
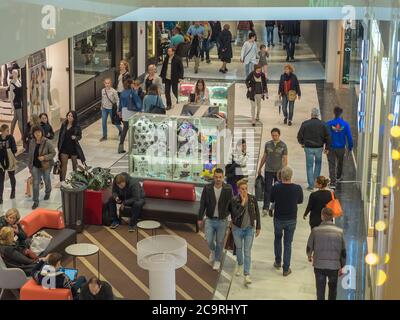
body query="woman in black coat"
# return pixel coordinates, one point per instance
(8, 149)
(48, 131)
(257, 89)
(68, 143)
(225, 52)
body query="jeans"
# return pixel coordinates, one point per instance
(124, 132)
(335, 161)
(134, 211)
(37, 175)
(243, 238)
(257, 101)
(270, 179)
(205, 49)
(104, 115)
(313, 164)
(285, 229)
(212, 44)
(249, 67)
(168, 85)
(320, 282)
(215, 230)
(11, 175)
(76, 285)
(270, 35)
(285, 103)
(290, 42)
(17, 117)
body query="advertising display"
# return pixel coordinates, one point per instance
(37, 83)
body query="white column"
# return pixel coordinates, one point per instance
(333, 46)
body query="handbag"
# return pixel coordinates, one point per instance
(156, 109)
(45, 163)
(230, 241)
(40, 242)
(259, 188)
(292, 95)
(335, 206)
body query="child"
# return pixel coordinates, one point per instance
(263, 54)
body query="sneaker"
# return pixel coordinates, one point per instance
(103, 139)
(286, 273)
(35, 205)
(114, 225)
(289, 123)
(208, 61)
(285, 121)
(258, 119)
(247, 280)
(222, 70)
(239, 270)
(277, 266)
(211, 257)
(253, 124)
(131, 229)
(273, 44)
(226, 70)
(46, 196)
(217, 265)
(264, 212)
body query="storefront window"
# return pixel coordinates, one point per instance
(126, 40)
(92, 52)
(151, 40)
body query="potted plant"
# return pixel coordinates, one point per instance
(98, 183)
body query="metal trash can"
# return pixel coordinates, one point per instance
(73, 203)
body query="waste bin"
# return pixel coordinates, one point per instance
(73, 203)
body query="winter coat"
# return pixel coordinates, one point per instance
(177, 71)
(46, 149)
(78, 134)
(225, 45)
(251, 83)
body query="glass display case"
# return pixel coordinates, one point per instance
(175, 148)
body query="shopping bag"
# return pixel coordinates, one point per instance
(40, 242)
(335, 206)
(259, 188)
(230, 242)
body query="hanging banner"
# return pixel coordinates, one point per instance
(37, 83)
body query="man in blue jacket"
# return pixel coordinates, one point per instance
(340, 133)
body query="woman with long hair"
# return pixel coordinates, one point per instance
(201, 92)
(68, 143)
(11, 219)
(123, 75)
(46, 126)
(289, 91)
(8, 149)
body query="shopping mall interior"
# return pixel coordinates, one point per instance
(346, 54)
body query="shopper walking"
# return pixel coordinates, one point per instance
(205, 52)
(291, 34)
(109, 105)
(275, 157)
(40, 163)
(317, 201)
(257, 90)
(214, 203)
(129, 103)
(286, 196)
(68, 144)
(123, 75)
(152, 78)
(326, 249)
(248, 55)
(245, 224)
(237, 169)
(225, 52)
(263, 54)
(314, 137)
(215, 28)
(48, 131)
(177, 37)
(33, 122)
(201, 92)
(340, 134)
(15, 95)
(195, 52)
(171, 73)
(270, 26)
(289, 91)
(243, 30)
(152, 102)
(8, 149)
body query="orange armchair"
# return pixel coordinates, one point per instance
(42, 218)
(32, 291)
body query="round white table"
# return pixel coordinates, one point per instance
(147, 225)
(84, 250)
(161, 255)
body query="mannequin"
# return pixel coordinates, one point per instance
(15, 95)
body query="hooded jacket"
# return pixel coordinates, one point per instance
(340, 132)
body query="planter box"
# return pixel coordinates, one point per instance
(94, 201)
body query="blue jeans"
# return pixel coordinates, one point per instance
(243, 242)
(104, 116)
(215, 230)
(37, 175)
(212, 44)
(249, 68)
(285, 104)
(313, 164)
(290, 42)
(205, 49)
(286, 230)
(270, 35)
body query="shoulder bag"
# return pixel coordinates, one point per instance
(45, 163)
(156, 108)
(335, 206)
(115, 119)
(292, 95)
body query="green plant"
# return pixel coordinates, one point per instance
(93, 178)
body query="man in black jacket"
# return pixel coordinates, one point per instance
(214, 203)
(129, 194)
(315, 138)
(171, 74)
(291, 34)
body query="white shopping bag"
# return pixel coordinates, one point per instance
(40, 242)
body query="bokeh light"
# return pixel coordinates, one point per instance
(380, 225)
(395, 131)
(395, 155)
(391, 181)
(381, 278)
(385, 191)
(372, 259)
(391, 117)
(387, 258)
